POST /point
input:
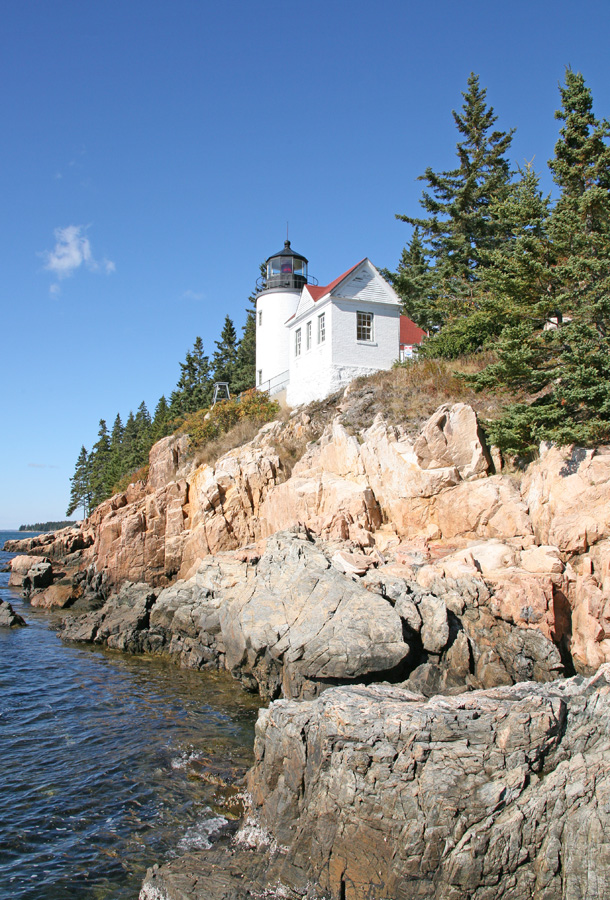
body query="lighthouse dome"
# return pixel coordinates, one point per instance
(286, 269)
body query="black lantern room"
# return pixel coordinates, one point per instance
(286, 269)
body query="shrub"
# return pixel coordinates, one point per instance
(131, 477)
(250, 410)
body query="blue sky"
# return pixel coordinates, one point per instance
(152, 154)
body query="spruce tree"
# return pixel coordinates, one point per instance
(201, 390)
(414, 282)
(115, 463)
(567, 365)
(143, 424)
(516, 271)
(161, 419)
(130, 445)
(80, 492)
(244, 376)
(458, 226)
(194, 388)
(225, 355)
(513, 283)
(101, 485)
(580, 223)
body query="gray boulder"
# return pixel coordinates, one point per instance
(301, 622)
(370, 793)
(288, 623)
(8, 617)
(375, 793)
(121, 623)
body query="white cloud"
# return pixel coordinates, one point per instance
(71, 251)
(192, 295)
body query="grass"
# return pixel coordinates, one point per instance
(208, 452)
(408, 394)
(227, 425)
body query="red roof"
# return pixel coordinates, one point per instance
(320, 290)
(410, 333)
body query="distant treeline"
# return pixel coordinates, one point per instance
(46, 526)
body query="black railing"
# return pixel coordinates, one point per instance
(290, 281)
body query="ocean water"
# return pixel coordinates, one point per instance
(109, 762)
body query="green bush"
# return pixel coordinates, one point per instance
(207, 425)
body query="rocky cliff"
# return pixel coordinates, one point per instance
(422, 508)
(374, 792)
(320, 559)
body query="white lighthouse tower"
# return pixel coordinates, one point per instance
(275, 305)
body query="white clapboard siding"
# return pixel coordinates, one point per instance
(367, 285)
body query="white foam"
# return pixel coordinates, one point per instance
(197, 837)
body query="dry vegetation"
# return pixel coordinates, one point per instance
(406, 395)
(131, 478)
(237, 436)
(409, 394)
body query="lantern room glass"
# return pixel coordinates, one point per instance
(285, 270)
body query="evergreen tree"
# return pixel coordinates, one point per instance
(80, 492)
(194, 388)
(130, 445)
(514, 282)
(115, 463)
(458, 226)
(580, 223)
(414, 282)
(143, 424)
(567, 366)
(101, 486)
(225, 355)
(516, 270)
(244, 376)
(161, 420)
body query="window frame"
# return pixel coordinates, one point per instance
(365, 331)
(297, 342)
(321, 328)
(308, 335)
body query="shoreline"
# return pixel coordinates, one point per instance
(410, 610)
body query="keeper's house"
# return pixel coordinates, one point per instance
(312, 340)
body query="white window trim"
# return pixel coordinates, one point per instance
(308, 335)
(297, 342)
(321, 328)
(371, 339)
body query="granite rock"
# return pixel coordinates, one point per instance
(8, 617)
(369, 793)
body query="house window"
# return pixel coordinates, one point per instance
(364, 326)
(260, 317)
(308, 336)
(321, 328)
(260, 376)
(297, 342)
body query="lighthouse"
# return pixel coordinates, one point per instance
(312, 340)
(276, 303)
